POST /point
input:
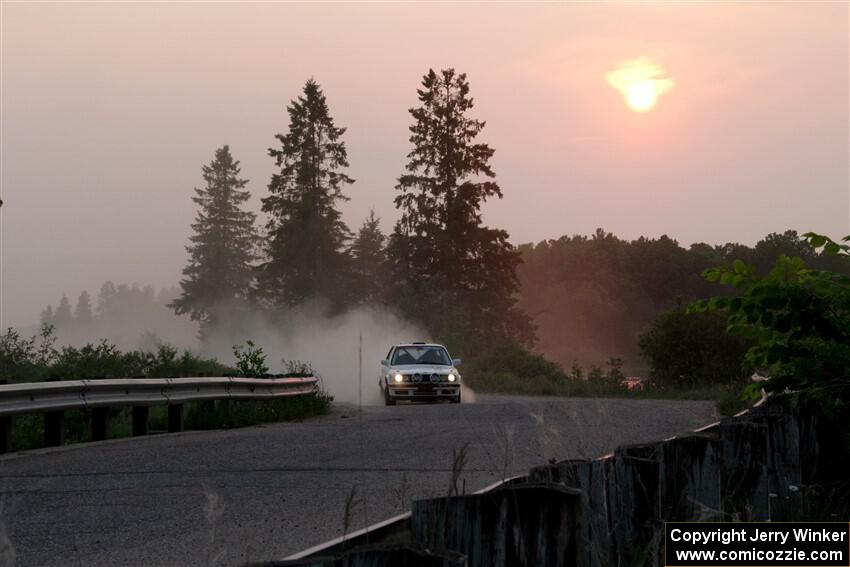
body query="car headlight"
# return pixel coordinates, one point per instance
(452, 377)
(398, 378)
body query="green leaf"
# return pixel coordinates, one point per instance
(752, 392)
(773, 356)
(739, 267)
(816, 240)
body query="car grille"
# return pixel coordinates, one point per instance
(426, 378)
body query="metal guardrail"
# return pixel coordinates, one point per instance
(79, 394)
(53, 398)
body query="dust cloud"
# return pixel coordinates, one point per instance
(329, 344)
(467, 394)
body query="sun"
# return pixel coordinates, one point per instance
(641, 81)
(641, 96)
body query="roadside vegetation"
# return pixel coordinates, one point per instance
(516, 371)
(35, 359)
(787, 322)
(593, 296)
(797, 321)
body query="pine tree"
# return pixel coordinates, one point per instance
(306, 235)
(46, 317)
(106, 300)
(449, 270)
(369, 267)
(62, 318)
(219, 273)
(82, 312)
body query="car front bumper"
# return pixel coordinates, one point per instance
(423, 391)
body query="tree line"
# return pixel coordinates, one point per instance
(592, 297)
(440, 266)
(128, 315)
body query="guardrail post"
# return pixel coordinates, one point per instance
(54, 428)
(140, 420)
(214, 395)
(175, 418)
(99, 424)
(5, 434)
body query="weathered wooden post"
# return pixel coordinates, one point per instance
(99, 424)
(54, 428)
(140, 420)
(690, 478)
(743, 469)
(516, 525)
(175, 418)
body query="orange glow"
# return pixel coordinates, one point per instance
(641, 82)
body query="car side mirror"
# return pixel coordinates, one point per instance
(385, 362)
(456, 362)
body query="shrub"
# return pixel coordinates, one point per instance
(101, 360)
(515, 370)
(35, 359)
(797, 319)
(26, 360)
(693, 350)
(250, 360)
(512, 369)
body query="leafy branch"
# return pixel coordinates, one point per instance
(798, 319)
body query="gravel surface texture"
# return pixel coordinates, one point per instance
(262, 493)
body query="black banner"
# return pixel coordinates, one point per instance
(757, 544)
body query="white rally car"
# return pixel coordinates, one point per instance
(419, 372)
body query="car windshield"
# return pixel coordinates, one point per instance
(421, 355)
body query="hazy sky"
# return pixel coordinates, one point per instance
(109, 110)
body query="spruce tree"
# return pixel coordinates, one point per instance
(219, 273)
(82, 312)
(369, 268)
(449, 270)
(306, 238)
(63, 318)
(106, 299)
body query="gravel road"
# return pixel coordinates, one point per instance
(261, 493)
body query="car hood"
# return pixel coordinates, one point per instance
(423, 369)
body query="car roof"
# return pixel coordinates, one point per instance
(418, 345)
